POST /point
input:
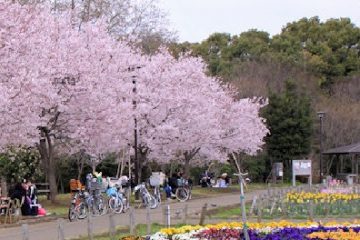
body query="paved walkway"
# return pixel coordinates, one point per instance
(49, 230)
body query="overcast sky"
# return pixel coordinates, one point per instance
(195, 20)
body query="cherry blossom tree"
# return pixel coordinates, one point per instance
(141, 21)
(77, 86)
(181, 109)
(244, 129)
(47, 73)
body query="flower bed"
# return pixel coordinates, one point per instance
(266, 231)
(296, 205)
(323, 197)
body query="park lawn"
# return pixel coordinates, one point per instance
(60, 208)
(198, 192)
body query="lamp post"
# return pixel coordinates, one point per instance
(136, 161)
(321, 115)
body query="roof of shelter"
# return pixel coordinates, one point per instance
(349, 149)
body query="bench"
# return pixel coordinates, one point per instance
(5, 203)
(43, 189)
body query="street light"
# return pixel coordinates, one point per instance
(321, 115)
(136, 162)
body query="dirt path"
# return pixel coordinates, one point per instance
(49, 230)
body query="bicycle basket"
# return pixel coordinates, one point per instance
(75, 185)
(111, 192)
(181, 182)
(154, 181)
(96, 186)
(157, 179)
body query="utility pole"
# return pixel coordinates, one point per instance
(321, 115)
(136, 160)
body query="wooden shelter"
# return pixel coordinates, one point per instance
(353, 151)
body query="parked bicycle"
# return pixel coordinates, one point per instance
(83, 201)
(157, 194)
(95, 201)
(118, 201)
(156, 180)
(77, 209)
(183, 191)
(148, 200)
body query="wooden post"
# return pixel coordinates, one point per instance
(202, 215)
(253, 205)
(61, 235)
(311, 211)
(25, 231)
(148, 221)
(284, 208)
(90, 227)
(132, 220)
(168, 216)
(273, 205)
(112, 230)
(185, 213)
(259, 212)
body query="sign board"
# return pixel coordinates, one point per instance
(278, 169)
(301, 168)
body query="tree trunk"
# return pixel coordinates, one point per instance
(121, 163)
(4, 189)
(187, 166)
(237, 161)
(142, 154)
(93, 166)
(46, 152)
(80, 166)
(51, 170)
(188, 155)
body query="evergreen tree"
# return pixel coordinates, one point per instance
(288, 118)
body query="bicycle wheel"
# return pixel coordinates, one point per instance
(82, 210)
(115, 205)
(158, 196)
(182, 194)
(101, 205)
(125, 204)
(72, 213)
(151, 202)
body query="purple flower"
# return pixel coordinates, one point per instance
(282, 234)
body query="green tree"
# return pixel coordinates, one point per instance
(330, 49)
(288, 117)
(215, 51)
(250, 46)
(17, 163)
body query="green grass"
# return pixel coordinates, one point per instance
(60, 208)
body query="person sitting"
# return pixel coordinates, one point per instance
(173, 183)
(20, 193)
(222, 181)
(32, 192)
(167, 189)
(206, 178)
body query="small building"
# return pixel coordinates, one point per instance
(352, 152)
